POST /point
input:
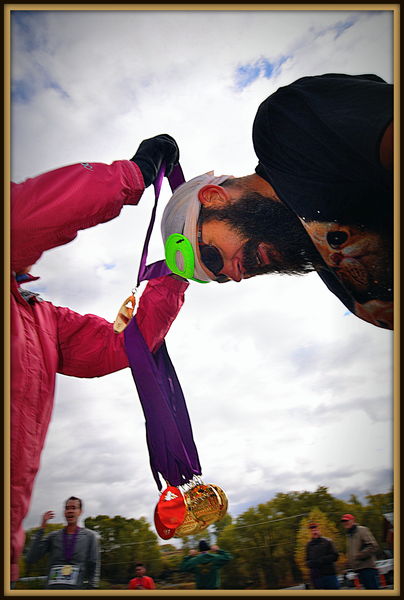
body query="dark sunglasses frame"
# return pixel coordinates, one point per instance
(204, 249)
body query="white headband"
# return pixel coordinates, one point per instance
(182, 212)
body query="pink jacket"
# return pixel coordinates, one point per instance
(48, 211)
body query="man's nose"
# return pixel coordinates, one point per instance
(232, 268)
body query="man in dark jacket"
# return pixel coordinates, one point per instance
(321, 555)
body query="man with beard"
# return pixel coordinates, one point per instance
(321, 555)
(321, 197)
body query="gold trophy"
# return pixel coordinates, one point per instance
(206, 504)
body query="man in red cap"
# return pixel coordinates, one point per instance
(321, 555)
(361, 552)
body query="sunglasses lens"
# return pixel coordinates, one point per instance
(212, 258)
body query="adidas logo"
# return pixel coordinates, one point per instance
(170, 496)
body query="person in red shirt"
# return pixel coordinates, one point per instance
(141, 581)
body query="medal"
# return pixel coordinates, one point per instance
(67, 570)
(224, 503)
(189, 509)
(125, 314)
(205, 504)
(190, 525)
(187, 505)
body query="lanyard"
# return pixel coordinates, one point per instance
(69, 543)
(159, 268)
(170, 442)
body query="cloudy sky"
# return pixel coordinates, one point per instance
(286, 390)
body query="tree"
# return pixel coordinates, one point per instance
(220, 525)
(123, 543)
(266, 541)
(235, 574)
(192, 541)
(171, 558)
(373, 517)
(39, 568)
(263, 538)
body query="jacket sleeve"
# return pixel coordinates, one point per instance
(308, 559)
(330, 555)
(159, 305)
(39, 546)
(187, 564)
(93, 562)
(88, 345)
(222, 557)
(48, 210)
(369, 545)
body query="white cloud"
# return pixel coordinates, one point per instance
(284, 389)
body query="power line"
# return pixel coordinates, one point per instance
(268, 521)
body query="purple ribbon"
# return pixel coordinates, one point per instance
(69, 543)
(159, 268)
(171, 446)
(172, 450)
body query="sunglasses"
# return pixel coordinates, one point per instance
(211, 257)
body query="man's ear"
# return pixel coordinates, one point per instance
(214, 196)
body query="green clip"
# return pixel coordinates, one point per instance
(177, 242)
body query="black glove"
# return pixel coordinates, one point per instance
(152, 152)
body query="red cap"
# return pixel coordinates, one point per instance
(171, 507)
(347, 517)
(164, 532)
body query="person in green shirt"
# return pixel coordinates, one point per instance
(206, 565)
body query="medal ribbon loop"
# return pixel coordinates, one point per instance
(171, 446)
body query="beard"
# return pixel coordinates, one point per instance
(261, 219)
